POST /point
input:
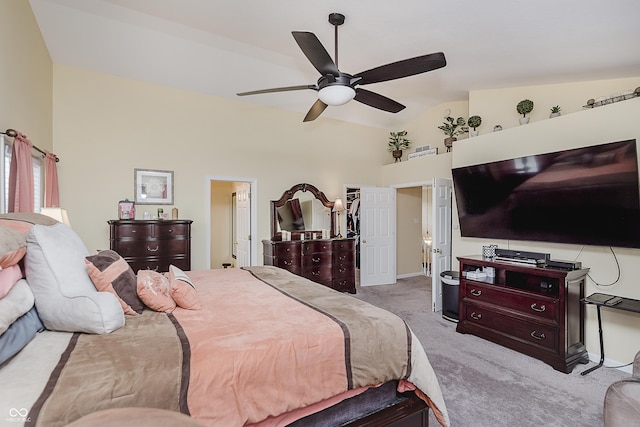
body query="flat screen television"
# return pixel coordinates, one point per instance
(586, 196)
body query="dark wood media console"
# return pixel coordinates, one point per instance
(533, 310)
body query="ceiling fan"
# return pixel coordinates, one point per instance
(337, 88)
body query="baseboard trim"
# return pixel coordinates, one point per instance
(595, 358)
(405, 276)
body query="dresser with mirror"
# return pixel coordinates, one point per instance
(303, 239)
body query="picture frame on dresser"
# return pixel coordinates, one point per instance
(153, 187)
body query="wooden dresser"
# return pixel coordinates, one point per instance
(330, 262)
(152, 244)
(533, 310)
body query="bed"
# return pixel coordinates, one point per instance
(256, 346)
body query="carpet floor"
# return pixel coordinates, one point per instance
(485, 384)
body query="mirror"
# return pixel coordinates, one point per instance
(303, 208)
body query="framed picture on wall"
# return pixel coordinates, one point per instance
(153, 187)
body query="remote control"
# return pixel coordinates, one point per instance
(614, 301)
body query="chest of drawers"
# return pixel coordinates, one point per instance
(152, 244)
(533, 310)
(330, 262)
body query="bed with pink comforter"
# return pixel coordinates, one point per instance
(267, 348)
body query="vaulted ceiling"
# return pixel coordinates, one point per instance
(224, 47)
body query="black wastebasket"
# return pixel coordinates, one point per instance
(450, 289)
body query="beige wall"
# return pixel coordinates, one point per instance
(409, 231)
(106, 126)
(26, 79)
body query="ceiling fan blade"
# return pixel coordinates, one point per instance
(278, 89)
(378, 101)
(404, 68)
(315, 52)
(316, 109)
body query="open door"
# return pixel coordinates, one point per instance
(377, 236)
(441, 259)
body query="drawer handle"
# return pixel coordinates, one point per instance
(538, 337)
(315, 273)
(475, 293)
(288, 249)
(153, 250)
(316, 260)
(342, 270)
(170, 230)
(342, 257)
(476, 316)
(285, 262)
(539, 310)
(154, 268)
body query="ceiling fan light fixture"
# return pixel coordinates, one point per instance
(336, 95)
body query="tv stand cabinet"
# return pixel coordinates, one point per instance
(533, 310)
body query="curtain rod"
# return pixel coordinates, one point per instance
(12, 133)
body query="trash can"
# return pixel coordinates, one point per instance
(450, 289)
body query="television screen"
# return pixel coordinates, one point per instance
(587, 196)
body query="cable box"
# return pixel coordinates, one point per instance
(565, 265)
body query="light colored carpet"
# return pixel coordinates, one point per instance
(485, 384)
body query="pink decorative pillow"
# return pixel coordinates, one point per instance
(153, 289)
(13, 246)
(109, 272)
(182, 289)
(8, 277)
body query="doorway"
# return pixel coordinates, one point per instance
(231, 222)
(424, 232)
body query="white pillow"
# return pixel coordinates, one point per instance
(65, 296)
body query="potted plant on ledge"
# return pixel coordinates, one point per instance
(524, 107)
(474, 122)
(397, 143)
(452, 128)
(555, 111)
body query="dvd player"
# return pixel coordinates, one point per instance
(522, 257)
(565, 265)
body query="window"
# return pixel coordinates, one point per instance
(38, 176)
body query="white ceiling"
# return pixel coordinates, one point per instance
(224, 47)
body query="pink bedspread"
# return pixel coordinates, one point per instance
(266, 347)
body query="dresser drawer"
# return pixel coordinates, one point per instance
(344, 284)
(287, 249)
(160, 265)
(316, 259)
(343, 258)
(133, 231)
(291, 263)
(520, 330)
(313, 246)
(168, 230)
(348, 245)
(157, 248)
(546, 308)
(318, 273)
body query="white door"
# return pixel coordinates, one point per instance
(243, 225)
(441, 259)
(377, 236)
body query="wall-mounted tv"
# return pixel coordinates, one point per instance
(587, 196)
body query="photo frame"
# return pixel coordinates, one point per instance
(153, 187)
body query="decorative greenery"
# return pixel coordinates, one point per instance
(474, 122)
(454, 127)
(397, 141)
(556, 109)
(524, 107)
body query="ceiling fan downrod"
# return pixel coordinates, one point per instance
(336, 19)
